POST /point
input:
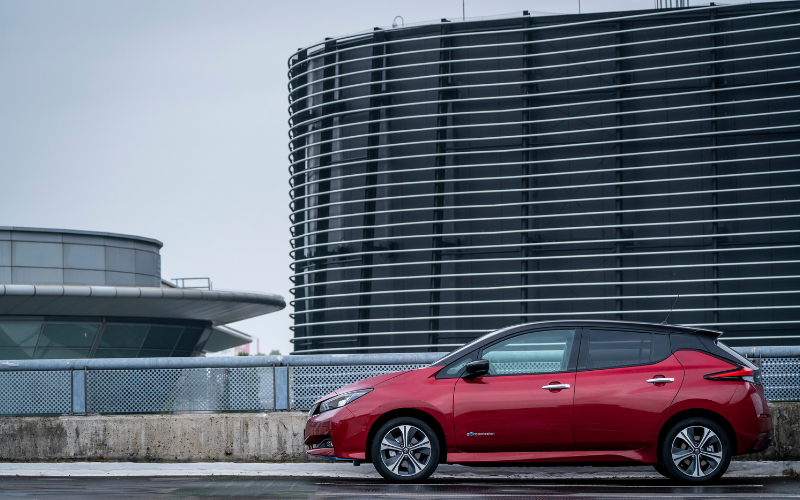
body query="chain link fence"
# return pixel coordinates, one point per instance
(237, 384)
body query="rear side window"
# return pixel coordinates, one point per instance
(534, 352)
(615, 348)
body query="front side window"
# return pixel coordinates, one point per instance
(535, 352)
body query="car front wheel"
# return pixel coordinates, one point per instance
(405, 450)
(696, 450)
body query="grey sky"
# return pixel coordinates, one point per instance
(167, 119)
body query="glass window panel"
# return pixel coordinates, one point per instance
(123, 336)
(19, 334)
(162, 337)
(61, 353)
(16, 354)
(189, 339)
(153, 353)
(534, 352)
(181, 354)
(68, 335)
(458, 365)
(661, 348)
(116, 353)
(608, 348)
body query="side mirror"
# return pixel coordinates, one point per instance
(476, 368)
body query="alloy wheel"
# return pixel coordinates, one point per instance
(405, 450)
(697, 451)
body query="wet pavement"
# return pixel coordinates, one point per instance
(265, 487)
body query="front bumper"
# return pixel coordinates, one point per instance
(345, 430)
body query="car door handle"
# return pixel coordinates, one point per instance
(659, 380)
(552, 387)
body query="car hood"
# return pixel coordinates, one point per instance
(367, 383)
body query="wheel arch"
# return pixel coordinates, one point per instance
(695, 413)
(409, 412)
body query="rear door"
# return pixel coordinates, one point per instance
(623, 387)
(525, 402)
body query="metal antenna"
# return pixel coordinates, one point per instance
(463, 10)
(670, 309)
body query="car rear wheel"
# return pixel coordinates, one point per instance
(696, 450)
(405, 450)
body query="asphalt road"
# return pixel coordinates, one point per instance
(264, 488)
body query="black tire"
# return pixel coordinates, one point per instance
(399, 458)
(661, 470)
(700, 464)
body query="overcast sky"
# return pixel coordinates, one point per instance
(168, 119)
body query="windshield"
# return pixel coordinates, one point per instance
(468, 345)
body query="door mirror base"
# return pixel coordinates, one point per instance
(477, 368)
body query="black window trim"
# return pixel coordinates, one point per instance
(585, 348)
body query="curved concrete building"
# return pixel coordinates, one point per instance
(79, 294)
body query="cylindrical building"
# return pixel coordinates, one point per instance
(453, 178)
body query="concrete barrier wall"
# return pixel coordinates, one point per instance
(226, 437)
(231, 437)
(786, 434)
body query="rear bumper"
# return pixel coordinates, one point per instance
(764, 437)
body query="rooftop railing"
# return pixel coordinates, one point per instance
(244, 383)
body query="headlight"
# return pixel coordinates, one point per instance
(337, 402)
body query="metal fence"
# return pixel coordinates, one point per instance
(240, 384)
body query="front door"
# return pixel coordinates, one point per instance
(619, 400)
(525, 401)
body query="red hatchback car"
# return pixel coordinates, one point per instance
(555, 392)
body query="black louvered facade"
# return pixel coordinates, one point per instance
(454, 178)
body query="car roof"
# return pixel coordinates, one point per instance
(662, 327)
(585, 323)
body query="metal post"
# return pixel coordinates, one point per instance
(71, 391)
(281, 388)
(78, 392)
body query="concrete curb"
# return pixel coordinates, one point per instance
(366, 471)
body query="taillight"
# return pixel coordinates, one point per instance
(741, 374)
